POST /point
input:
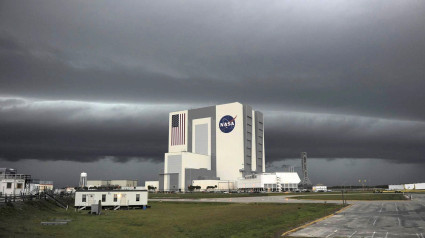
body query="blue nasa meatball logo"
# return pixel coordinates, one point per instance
(227, 124)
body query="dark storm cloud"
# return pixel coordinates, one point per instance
(360, 62)
(79, 131)
(351, 58)
(337, 136)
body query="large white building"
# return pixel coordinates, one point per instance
(223, 142)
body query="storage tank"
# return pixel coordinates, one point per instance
(83, 179)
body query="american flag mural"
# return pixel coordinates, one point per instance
(178, 126)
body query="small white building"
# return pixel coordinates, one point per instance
(419, 185)
(12, 184)
(409, 186)
(279, 181)
(320, 188)
(111, 198)
(395, 187)
(154, 184)
(70, 190)
(45, 186)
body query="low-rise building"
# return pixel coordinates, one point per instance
(45, 186)
(396, 187)
(12, 183)
(278, 181)
(409, 186)
(69, 190)
(152, 185)
(320, 188)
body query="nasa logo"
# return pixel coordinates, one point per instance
(227, 124)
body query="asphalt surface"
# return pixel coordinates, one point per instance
(373, 219)
(265, 199)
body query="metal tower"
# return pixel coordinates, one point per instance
(305, 183)
(83, 180)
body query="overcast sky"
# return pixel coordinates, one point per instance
(88, 85)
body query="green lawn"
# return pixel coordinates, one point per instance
(349, 196)
(163, 219)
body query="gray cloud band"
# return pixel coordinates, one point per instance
(80, 131)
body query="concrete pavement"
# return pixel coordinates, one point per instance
(260, 199)
(373, 219)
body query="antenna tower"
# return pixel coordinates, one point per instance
(306, 181)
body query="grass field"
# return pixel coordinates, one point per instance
(161, 220)
(349, 196)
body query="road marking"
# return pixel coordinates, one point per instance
(352, 234)
(375, 221)
(373, 234)
(331, 233)
(418, 235)
(386, 235)
(399, 223)
(396, 208)
(422, 236)
(369, 219)
(382, 205)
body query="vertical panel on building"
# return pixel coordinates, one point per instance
(201, 136)
(259, 137)
(247, 110)
(174, 166)
(204, 113)
(254, 146)
(230, 141)
(177, 132)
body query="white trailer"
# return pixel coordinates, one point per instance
(111, 198)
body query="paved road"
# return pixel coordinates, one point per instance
(373, 219)
(266, 199)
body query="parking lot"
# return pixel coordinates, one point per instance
(373, 219)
